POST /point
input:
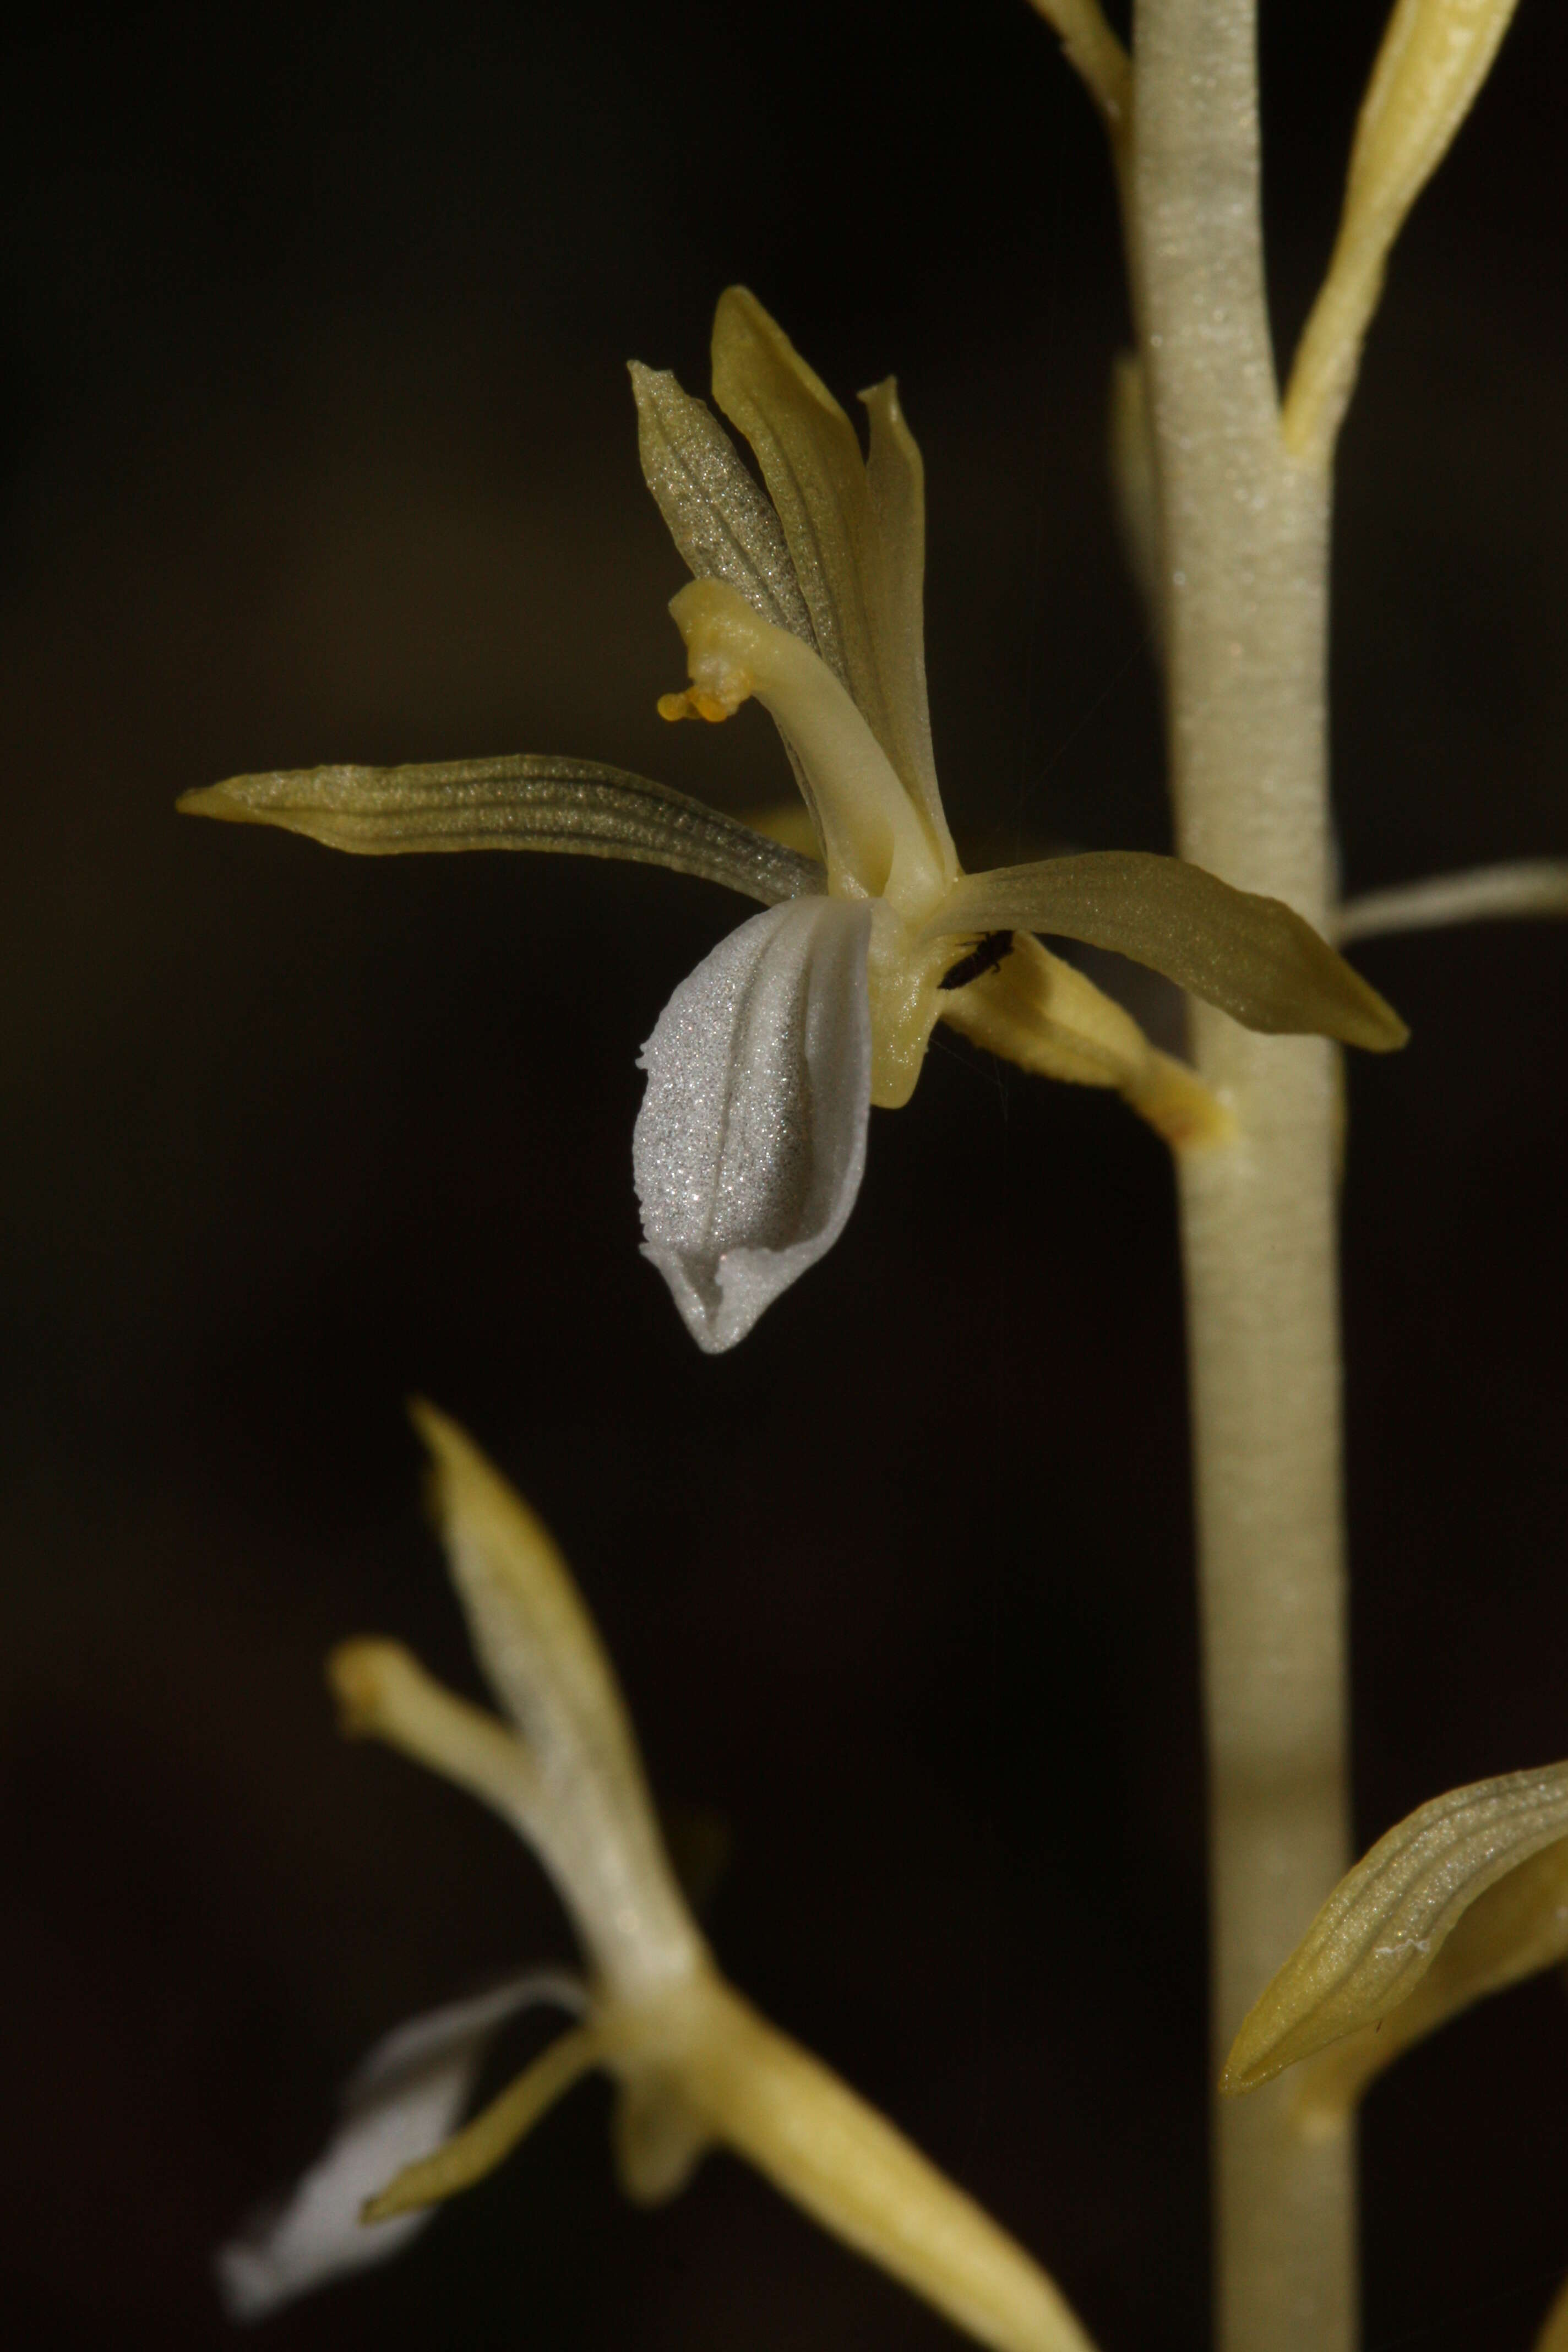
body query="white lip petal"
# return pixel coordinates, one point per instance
(751, 1143)
(398, 2106)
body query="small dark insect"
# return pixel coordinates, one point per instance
(983, 957)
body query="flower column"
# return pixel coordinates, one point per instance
(1245, 541)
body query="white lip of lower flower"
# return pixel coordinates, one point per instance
(405, 2098)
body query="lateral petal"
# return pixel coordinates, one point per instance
(750, 1142)
(1256, 957)
(399, 2106)
(853, 539)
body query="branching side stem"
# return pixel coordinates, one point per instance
(1243, 532)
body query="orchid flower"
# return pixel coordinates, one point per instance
(763, 1067)
(697, 2067)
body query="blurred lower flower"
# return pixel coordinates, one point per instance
(697, 2067)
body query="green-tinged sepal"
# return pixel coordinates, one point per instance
(719, 518)
(577, 807)
(857, 536)
(1255, 957)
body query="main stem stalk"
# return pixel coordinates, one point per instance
(1245, 571)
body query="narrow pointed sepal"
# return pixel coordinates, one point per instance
(1256, 957)
(1386, 1923)
(818, 2142)
(573, 807)
(399, 2106)
(751, 1143)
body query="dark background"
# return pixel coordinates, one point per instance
(318, 446)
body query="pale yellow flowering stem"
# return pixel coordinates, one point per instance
(1241, 551)
(1244, 537)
